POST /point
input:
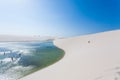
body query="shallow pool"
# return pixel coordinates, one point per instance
(18, 59)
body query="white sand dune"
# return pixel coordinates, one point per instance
(18, 38)
(91, 57)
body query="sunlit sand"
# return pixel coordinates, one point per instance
(91, 57)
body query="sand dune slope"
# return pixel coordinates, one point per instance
(91, 57)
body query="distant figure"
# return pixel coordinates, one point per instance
(88, 41)
(4, 53)
(12, 58)
(1, 62)
(20, 55)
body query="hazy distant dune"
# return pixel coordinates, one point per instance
(15, 38)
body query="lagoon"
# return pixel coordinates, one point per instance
(18, 59)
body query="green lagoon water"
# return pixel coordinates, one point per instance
(18, 59)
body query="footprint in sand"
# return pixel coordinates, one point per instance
(111, 74)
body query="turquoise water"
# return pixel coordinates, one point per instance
(19, 59)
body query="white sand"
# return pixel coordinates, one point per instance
(97, 60)
(18, 38)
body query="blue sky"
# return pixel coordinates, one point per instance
(58, 17)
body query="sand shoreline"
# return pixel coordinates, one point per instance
(15, 38)
(98, 59)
